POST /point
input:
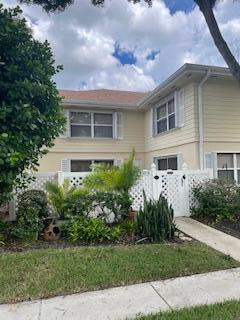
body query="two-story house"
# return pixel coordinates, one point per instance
(192, 117)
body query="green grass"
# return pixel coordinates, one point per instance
(221, 311)
(49, 272)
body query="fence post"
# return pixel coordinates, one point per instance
(60, 177)
(185, 208)
(155, 182)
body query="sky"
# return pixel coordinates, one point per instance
(130, 47)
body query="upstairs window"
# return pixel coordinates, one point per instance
(165, 116)
(91, 124)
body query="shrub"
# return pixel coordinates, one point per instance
(155, 220)
(110, 206)
(110, 178)
(59, 195)
(32, 210)
(216, 199)
(92, 230)
(3, 229)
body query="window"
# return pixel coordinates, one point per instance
(91, 124)
(85, 165)
(228, 166)
(165, 116)
(165, 163)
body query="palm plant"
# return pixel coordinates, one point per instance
(59, 194)
(112, 178)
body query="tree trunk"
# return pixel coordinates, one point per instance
(206, 8)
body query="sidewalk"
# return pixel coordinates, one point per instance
(214, 238)
(127, 302)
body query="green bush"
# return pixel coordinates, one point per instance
(216, 199)
(32, 210)
(110, 206)
(91, 230)
(60, 195)
(112, 178)
(155, 220)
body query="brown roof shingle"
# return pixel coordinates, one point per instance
(104, 95)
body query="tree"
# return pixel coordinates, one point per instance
(206, 7)
(30, 111)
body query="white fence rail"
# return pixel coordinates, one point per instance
(177, 186)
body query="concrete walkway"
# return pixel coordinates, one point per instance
(127, 302)
(216, 239)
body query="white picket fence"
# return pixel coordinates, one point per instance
(177, 186)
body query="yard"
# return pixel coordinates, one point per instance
(222, 311)
(48, 272)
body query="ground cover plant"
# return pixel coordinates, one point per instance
(49, 272)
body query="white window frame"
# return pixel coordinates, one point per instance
(160, 104)
(234, 168)
(167, 157)
(91, 160)
(92, 125)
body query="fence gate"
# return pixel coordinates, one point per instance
(177, 186)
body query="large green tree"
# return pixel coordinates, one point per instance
(206, 7)
(30, 112)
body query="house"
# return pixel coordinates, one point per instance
(192, 117)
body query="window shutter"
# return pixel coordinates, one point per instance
(65, 165)
(180, 107)
(66, 132)
(179, 161)
(119, 125)
(210, 162)
(152, 122)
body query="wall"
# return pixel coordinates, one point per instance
(119, 149)
(221, 101)
(178, 141)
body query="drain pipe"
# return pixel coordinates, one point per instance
(200, 118)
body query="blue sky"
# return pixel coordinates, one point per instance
(183, 5)
(130, 47)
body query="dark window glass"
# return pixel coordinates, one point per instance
(81, 165)
(162, 111)
(103, 118)
(80, 131)
(162, 164)
(103, 132)
(171, 106)
(107, 162)
(162, 125)
(172, 163)
(226, 175)
(171, 123)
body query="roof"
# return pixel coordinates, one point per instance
(104, 95)
(122, 99)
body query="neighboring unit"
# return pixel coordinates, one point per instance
(193, 117)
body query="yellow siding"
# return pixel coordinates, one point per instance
(118, 149)
(221, 100)
(180, 140)
(52, 161)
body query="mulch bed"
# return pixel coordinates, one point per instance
(230, 227)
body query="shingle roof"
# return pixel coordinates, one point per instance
(104, 95)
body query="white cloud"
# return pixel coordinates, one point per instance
(83, 39)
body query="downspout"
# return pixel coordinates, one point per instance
(200, 118)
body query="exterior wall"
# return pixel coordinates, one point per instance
(178, 141)
(221, 105)
(81, 148)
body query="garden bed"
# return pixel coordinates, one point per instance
(230, 227)
(49, 272)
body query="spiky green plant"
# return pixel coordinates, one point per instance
(59, 194)
(155, 219)
(112, 178)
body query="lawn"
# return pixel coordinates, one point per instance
(49, 272)
(222, 311)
